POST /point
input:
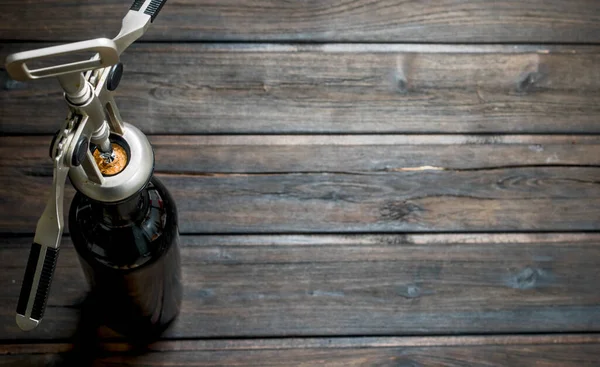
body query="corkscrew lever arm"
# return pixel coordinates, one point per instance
(137, 21)
(44, 250)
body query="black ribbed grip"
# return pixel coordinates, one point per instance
(152, 9)
(137, 4)
(34, 255)
(41, 296)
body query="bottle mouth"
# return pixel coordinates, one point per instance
(121, 157)
(130, 179)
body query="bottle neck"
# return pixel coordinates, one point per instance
(124, 213)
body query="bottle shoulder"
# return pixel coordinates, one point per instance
(125, 235)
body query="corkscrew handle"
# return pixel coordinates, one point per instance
(44, 251)
(36, 286)
(137, 21)
(149, 7)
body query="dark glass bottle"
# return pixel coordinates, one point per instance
(129, 252)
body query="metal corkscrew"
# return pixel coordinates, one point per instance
(93, 116)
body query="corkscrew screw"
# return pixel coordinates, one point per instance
(93, 118)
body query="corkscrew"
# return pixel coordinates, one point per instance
(84, 148)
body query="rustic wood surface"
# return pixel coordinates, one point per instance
(360, 183)
(528, 199)
(458, 21)
(239, 88)
(316, 285)
(510, 350)
(205, 154)
(366, 184)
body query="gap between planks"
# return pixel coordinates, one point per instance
(345, 239)
(315, 343)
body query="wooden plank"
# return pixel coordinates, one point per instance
(248, 286)
(326, 153)
(347, 184)
(328, 20)
(513, 350)
(261, 88)
(531, 199)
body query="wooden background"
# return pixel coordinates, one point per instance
(360, 183)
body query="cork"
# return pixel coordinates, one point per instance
(114, 167)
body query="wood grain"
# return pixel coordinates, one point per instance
(513, 350)
(248, 286)
(333, 153)
(261, 88)
(278, 122)
(291, 184)
(329, 20)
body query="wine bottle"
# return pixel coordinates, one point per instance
(123, 221)
(129, 252)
